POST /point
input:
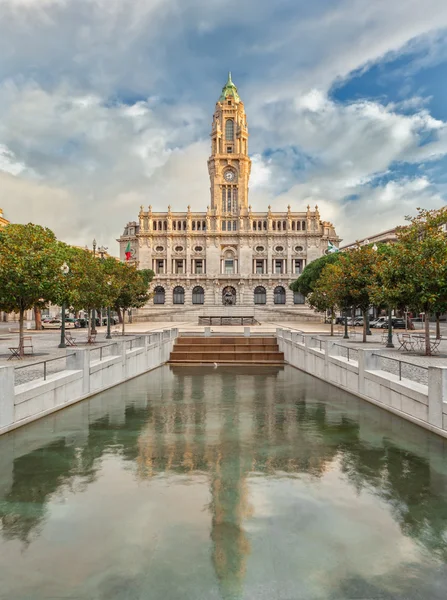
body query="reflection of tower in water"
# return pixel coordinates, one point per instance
(229, 495)
(229, 425)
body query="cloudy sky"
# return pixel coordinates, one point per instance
(107, 104)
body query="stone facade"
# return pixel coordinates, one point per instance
(228, 256)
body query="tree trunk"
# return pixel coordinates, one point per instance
(364, 326)
(124, 314)
(89, 323)
(38, 318)
(427, 334)
(21, 317)
(120, 317)
(438, 326)
(332, 321)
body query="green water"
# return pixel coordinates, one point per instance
(227, 483)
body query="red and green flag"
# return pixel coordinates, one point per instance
(128, 251)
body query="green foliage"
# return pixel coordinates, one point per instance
(311, 273)
(30, 261)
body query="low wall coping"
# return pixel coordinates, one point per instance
(31, 389)
(416, 391)
(351, 365)
(97, 365)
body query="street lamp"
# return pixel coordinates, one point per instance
(65, 269)
(346, 336)
(102, 251)
(93, 327)
(389, 343)
(109, 335)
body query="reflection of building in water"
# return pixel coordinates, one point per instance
(220, 424)
(229, 426)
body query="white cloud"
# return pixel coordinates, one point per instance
(106, 105)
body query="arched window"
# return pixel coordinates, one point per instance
(279, 295)
(260, 295)
(159, 295)
(198, 295)
(229, 130)
(179, 295)
(298, 298)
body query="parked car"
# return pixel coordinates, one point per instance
(57, 324)
(340, 320)
(114, 320)
(358, 322)
(396, 324)
(84, 322)
(378, 322)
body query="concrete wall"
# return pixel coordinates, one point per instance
(86, 373)
(425, 405)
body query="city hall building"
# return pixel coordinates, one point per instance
(228, 260)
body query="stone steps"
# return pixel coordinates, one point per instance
(228, 350)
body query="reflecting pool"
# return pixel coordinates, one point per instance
(194, 483)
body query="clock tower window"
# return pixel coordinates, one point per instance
(229, 198)
(229, 130)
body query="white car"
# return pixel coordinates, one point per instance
(57, 324)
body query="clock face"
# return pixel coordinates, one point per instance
(229, 176)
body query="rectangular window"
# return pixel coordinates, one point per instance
(229, 150)
(224, 225)
(259, 267)
(234, 199)
(234, 225)
(179, 266)
(278, 267)
(229, 199)
(297, 266)
(160, 264)
(229, 267)
(199, 267)
(224, 195)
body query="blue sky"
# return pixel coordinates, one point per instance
(106, 105)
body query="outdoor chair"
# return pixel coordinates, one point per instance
(70, 340)
(405, 342)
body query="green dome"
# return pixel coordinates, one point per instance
(229, 89)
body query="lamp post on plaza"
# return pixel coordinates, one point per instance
(389, 343)
(93, 327)
(65, 269)
(109, 335)
(102, 250)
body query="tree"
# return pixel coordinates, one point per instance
(311, 273)
(416, 269)
(358, 267)
(86, 285)
(323, 296)
(30, 274)
(129, 286)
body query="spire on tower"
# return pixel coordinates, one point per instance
(229, 89)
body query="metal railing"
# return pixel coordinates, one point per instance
(349, 351)
(44, 363)
(404, 366)
(316, 340)
(102, 350)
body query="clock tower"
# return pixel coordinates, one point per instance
(229, 165)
